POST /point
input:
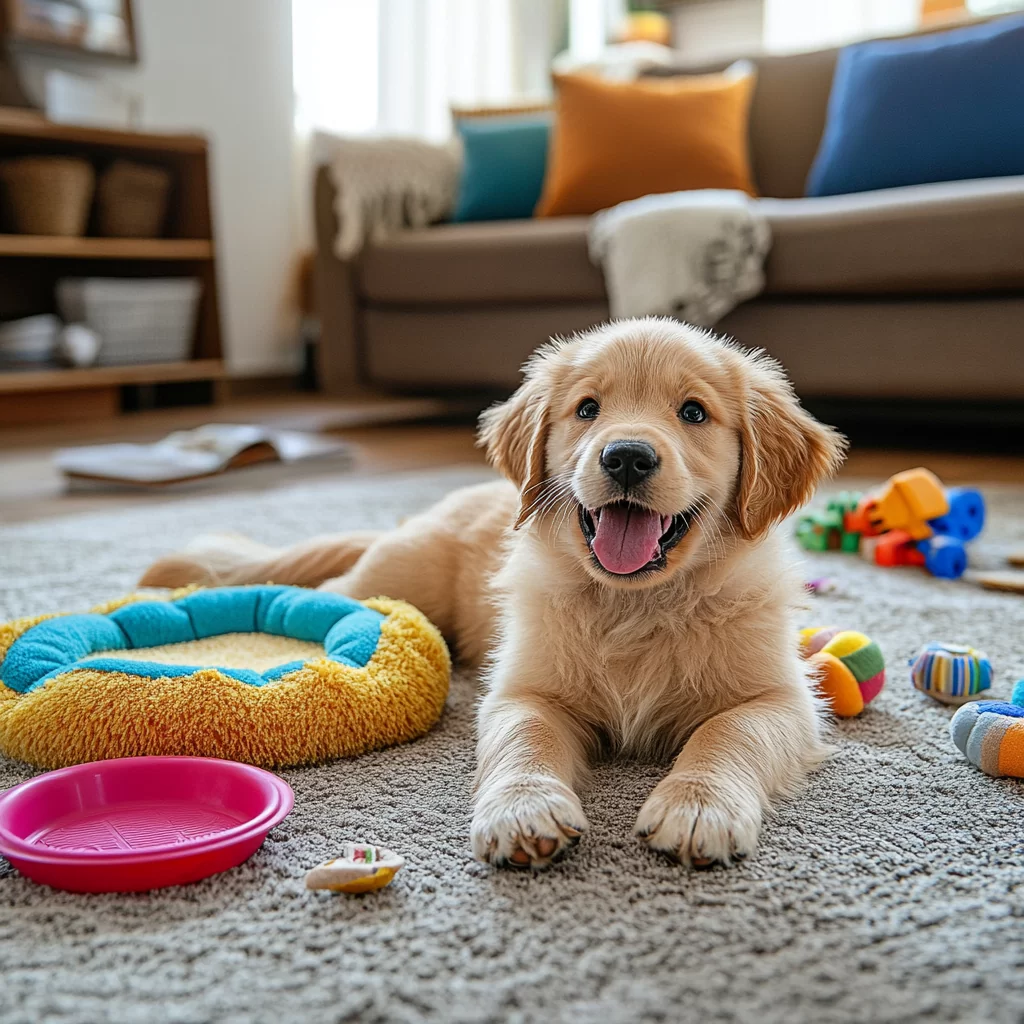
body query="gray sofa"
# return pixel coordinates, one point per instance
(913, 292)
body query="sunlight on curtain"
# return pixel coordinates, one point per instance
(436, 53)
(335, 56)
(792, 25)
(397, 66)
(592, 24)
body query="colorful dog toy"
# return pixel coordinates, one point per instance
(912, 520)
(360, 868)
(268, 675)
(951, 673)
(851, 669)
(825, 531)
(990, 734)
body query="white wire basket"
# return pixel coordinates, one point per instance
(149, 320)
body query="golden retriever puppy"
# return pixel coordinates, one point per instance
(626, 593)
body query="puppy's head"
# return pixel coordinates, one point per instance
(647, 447)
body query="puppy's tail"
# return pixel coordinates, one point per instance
(229, 559)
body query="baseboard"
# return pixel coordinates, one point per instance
(926, 424)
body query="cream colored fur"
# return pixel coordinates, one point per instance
(698, 659)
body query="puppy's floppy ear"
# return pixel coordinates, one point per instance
(515, 435)
(784, 451)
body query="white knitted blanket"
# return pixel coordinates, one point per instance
(692, 255)
(384, 184)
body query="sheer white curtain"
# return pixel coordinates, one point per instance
(335, 57)
(792, 25)
(396, 66)
(592, 24)
(439, 53)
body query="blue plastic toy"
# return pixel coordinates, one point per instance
(944, 552)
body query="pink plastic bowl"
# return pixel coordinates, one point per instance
(139, 823)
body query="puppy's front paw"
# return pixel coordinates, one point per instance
(701, 820)
(526, 822)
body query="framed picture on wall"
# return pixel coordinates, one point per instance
(88, 28)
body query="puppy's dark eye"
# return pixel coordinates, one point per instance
(587, 409)
(693, 412)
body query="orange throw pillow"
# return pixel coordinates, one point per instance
(615, 141)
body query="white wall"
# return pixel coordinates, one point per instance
(718, 29)
(224, 68)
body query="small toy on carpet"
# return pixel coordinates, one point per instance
(825, 531)
(360, 868)
(912, 520)
(951, 673)
(267, 675)
(851, 668)
(1009, 581)
(821, 585)
(990, 734)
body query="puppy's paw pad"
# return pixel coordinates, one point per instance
(526, 823)
(701, 821)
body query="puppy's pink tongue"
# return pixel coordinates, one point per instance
(627, 538)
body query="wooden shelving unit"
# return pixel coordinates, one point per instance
(109, 376)
(31, 265)
(107, 248)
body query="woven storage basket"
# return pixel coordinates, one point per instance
(131, 200)
(48, 195)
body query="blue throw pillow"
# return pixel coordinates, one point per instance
(933, 108)
(503, 166)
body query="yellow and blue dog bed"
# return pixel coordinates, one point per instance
(269, 675)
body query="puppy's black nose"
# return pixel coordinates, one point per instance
(629, 462)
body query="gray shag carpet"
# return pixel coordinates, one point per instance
(891, 890)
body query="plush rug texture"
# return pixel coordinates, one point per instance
(891, 890)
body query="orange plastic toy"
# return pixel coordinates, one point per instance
(893, 548)
(906, 503)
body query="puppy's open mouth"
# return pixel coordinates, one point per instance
(627, 539)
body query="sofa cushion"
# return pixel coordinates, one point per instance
(938, 108)
(787, 115)
(614, 141)
(955, 236)
(499, 261)
(503, 162)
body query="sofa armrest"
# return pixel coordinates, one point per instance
(338, 355)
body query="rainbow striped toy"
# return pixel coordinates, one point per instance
(951, 673)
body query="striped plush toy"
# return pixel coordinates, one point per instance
(951, 673)
(990, 734)
(850, 667)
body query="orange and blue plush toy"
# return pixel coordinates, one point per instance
(269, 675)
(850, 667)
(990, 734)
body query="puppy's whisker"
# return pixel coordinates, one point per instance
(568, 507)
(714, 541)
(555, 495)
(547, 492)
(713, 524)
